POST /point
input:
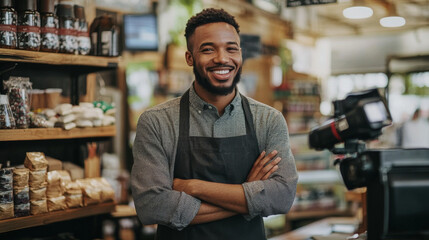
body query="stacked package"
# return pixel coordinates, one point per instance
(21, 192)
(96, 190)
(55, 193)
(72, 191)
(6, 193)
(38, 165)
(85, 114)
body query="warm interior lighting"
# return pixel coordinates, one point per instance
(357, 12)
(392, 21)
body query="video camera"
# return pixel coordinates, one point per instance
(397, 180)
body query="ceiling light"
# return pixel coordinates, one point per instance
(392, 21)
(357, 12)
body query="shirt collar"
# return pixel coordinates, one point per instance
(201, 105)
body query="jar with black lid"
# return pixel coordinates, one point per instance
(7, 24)
(83, 40)
(49, 27)
(28, 25)
(67, 29)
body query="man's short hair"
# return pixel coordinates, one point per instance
(209, 15)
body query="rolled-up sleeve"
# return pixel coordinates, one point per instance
(151, 180)
(276, 194)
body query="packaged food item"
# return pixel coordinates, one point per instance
(20, 177)
(28, 25)
(37, 178)
(21, 195)
(6, 197)
(38, 207)
(37, 121)
(36, 161)
(22, 210)
(7, 24)
(53, 97)
(54, 188)
(57, 203)
(6, 210)
(37, 193)
(18, 92)
(54, 164)
(83, 40)
(67, 27)
(7, 121)
(74, 200)
(49, 27)
(6, 179)
(91, 194)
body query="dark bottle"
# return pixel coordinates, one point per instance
(7, 24)
(49, 27)
(83, 40)
(28, 25)
(107, 39)
(67, 29)
(93, 30)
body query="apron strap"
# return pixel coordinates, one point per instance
(248, 116)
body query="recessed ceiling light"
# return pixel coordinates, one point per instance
(392, 21)
(357, 12)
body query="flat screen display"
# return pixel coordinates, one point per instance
(141, 32)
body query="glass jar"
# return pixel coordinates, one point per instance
(67, 28)
(7, 121)
(18, 92)
(49, 27)
(83, 40)
(7, 24)
(28, 25)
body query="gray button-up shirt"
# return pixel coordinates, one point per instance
(155, 148)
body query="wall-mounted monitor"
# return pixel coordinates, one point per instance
(141, 32)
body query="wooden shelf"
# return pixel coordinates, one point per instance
(12, 224)
(297, 215)
(55, 133)
(14, 55)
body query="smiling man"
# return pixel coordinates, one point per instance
(212, 163)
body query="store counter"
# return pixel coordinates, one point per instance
(328, 228)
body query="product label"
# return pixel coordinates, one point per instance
(28, 29)
(64, 32)
(106, 40)
(83, 34)
(7, 28)
(49, 30)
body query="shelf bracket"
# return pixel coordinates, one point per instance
(8, 68)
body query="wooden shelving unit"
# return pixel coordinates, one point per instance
(13, 55)
(55, 133)
(12, 224)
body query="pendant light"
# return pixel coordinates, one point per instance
(358, 11)
(392, 19)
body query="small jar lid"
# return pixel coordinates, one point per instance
(6, 3)
(4, 99)
(79, 12)
(47, 6)
(65, 10)
(22, 5)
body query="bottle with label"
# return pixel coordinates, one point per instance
(108, 33)
(93, 30)
(83, 40)
(28, 25)
(7, 24)
(49, 27)
(67, 29)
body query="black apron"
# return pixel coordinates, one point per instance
(222, 160)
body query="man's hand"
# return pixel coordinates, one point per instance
(261, 170)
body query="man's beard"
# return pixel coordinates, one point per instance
(205, 83)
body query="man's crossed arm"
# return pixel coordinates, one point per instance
(220, 200)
